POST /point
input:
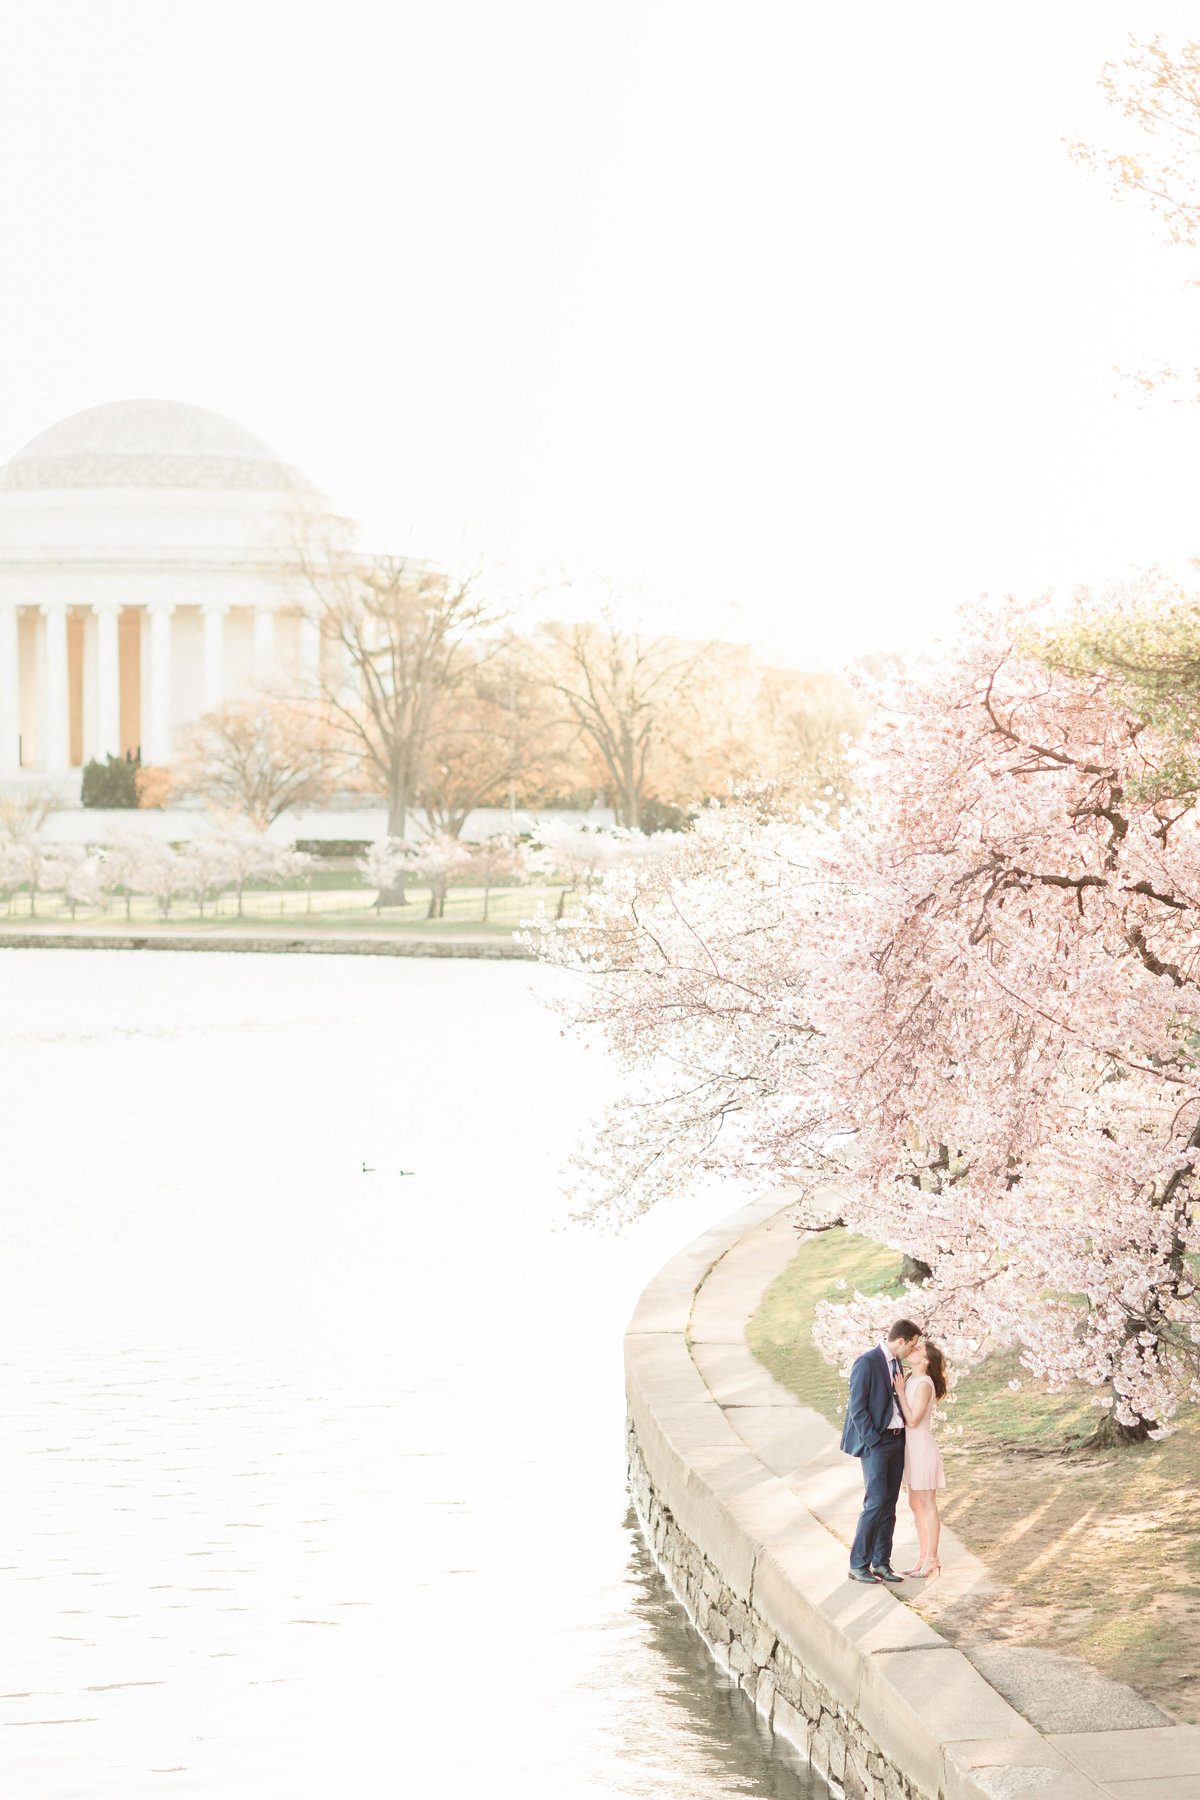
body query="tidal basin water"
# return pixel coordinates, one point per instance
(311, 1462)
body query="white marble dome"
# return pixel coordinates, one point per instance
(149, 443)
(146, 576)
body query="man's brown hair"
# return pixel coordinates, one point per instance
(903, 1328)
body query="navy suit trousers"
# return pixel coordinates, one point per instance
(883, 1471)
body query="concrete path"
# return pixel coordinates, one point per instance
(1118, 1742)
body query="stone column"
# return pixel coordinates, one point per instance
(264, 646)
(310, 654)
(159, 734)
(10, 691)
(108, 679)
(57, 758)
(214, 656)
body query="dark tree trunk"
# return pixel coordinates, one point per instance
(397, 825)
(913, 1269)
(1110, 1434)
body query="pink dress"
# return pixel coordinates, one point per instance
(922, 1458)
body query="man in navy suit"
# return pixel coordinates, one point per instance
(874, 1432)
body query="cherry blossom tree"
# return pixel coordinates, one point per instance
(12, 877)
(433, 860)
(975, 1005)
(123, 855)
(160, 874)
(581, 855)
(1155, 91)
(436, 860)
(85, 883)
(204, 870)
(41, 867)
(500, 859)
(250, 856)
(289, 866)
(384, 866)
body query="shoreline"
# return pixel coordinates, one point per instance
(272, 943)
(748, 1505)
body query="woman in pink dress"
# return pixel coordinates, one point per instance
(923, 1473)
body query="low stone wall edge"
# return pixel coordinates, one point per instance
(500, 951)
(884, 1708)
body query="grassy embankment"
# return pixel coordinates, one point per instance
(1097, 1553)
(324, 908)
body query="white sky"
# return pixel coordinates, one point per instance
(801, 306)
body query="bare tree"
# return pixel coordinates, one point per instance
(801, 727)
(24, 810)
(488, 736)
(405, 634)
(257, 760)
(623, 690)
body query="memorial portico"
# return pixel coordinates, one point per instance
(145, 578)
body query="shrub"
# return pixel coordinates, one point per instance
(153, 785)
(112, 783)
(664, 815)
(326, 847)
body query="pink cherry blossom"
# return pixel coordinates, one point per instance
(974, 1007)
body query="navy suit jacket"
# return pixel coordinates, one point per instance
(869, 1408)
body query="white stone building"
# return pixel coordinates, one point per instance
(143, 580)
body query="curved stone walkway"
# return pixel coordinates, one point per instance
(1010, 1721)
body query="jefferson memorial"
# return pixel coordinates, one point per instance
(145, 579)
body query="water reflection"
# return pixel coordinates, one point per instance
(313, 1478)
(690, 1719)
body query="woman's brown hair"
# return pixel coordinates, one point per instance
(937, 1367)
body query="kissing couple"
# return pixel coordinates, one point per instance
(889, 1426)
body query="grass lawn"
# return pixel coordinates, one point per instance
(324, 910)
(1097, 1553)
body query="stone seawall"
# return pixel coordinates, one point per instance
(884, 1707)
(742, 1643)
(489, 950)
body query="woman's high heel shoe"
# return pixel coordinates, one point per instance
(935, 1568)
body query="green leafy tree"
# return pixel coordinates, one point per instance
(111, 784)
(1140, 647)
